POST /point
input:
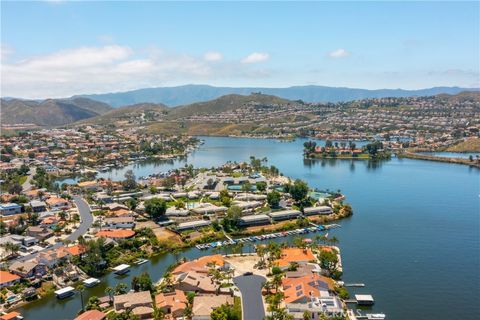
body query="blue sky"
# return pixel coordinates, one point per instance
(61, 48)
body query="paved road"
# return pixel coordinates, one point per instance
(27, 185)
(86, 218)
(86, 221)
(251, 289)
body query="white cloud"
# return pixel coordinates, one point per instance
(256, 57)
(113, 68)
(339, 53)
(213, 56)
(5, 51)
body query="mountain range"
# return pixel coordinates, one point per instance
(182, 95)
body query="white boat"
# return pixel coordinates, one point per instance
(141, 261)
(122, 269)
(91, 282)
(376, 316)
(65, 292)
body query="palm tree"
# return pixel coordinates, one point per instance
(80, 289)
(110, 291)
(277, 281)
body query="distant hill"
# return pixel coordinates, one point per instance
(50, 112)
(141, 111)
(225, 103)
(181, 95)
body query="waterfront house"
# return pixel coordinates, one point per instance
(27, 269)
(8, 279)
(298, 255)
(8, 209)
(14, 315)
(254, 220)
(203, 305)
(202, 264)
(195, 282)
(316, 307)
(302, 289)
(133, 300)
(172, 303)
(92, 315)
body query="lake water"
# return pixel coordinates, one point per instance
(463, 155)
(414, 238)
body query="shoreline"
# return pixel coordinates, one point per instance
(184, 246)
(418, 156)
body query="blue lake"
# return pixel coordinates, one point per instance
(414, 238)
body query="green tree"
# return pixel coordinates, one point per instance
(142, 283)
(230, 221)
(130, 182)
(93, 303)
(261, 186)
(273, 198)
(328, 260)
(156, 208)
(225, 312)
(121, 288)
(299, 190)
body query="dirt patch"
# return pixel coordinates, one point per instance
(244, 263)
(166, 235)
(146, 224)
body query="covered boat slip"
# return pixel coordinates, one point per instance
(65, 292)
(91, 282)
(121, 269)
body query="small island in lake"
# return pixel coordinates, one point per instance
(343, 150)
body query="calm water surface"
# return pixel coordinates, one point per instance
(413, 239)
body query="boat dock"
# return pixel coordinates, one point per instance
(121, 269)
(65, 292)
(231, 241)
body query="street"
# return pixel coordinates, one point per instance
(251, 289)
(86, 220)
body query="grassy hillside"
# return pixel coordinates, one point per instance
(50, 112)
(142, 112)
(222, 104)
(469, 145)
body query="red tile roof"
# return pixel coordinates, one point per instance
(6, 276)
(91, 315)
(116, 234)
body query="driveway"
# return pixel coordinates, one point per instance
(86, 221)
(251, 289)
